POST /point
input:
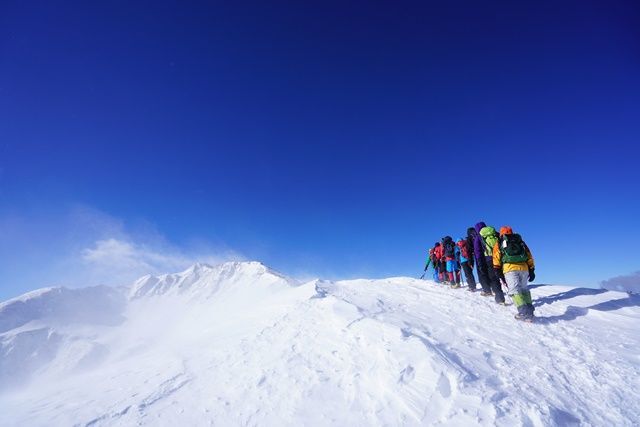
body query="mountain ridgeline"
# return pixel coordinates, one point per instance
(239, 343)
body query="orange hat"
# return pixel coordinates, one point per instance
(505, 230)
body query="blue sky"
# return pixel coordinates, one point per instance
(322, 138)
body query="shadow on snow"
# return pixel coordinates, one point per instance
(573, 312)
(576, 292)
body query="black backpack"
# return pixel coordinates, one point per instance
(513, 249)
(470, 249)
(449, 248)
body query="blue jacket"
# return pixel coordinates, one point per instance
(459, 256)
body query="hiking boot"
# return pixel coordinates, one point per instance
(455, 285)
(502, 303)
(471, 289)
(524, 317)
(485, 294)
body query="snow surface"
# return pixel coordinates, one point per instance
(239, 344)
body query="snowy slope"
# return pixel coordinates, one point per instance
(35, 328)
(239, 344)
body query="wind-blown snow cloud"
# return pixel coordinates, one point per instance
(83, 246)
(114, 252)
(628, 283)
(120, 260)
(119, 254)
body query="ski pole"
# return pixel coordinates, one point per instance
(462, 276)
(426, 268)
(505, 287)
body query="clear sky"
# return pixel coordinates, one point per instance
(333, 139)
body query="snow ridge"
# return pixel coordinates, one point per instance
(95, 305)
(239, 344)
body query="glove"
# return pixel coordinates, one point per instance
(532, 274)
(499, 273)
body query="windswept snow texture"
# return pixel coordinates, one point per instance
(239, 344)
(627, 283)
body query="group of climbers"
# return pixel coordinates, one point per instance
(499, 259)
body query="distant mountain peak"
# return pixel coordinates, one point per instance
(198, 267)
(202, 278)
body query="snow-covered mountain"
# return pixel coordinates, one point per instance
(240, 344)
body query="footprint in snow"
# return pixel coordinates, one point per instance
(407, 375)
(444, 386)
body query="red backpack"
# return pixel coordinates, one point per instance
(438, 252)
(464, 249)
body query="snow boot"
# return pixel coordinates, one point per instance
(531, 308)
(524, 317)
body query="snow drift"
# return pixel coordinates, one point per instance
(240, 344)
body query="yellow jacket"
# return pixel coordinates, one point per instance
(507, 267)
